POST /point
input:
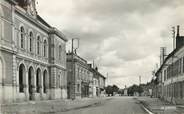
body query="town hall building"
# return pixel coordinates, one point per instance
(32, 55)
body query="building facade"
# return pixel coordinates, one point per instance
(83, 79)
(171, 74)
(32, 55)
(79, 77)
(98, 83)
(102, 84)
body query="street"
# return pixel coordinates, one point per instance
(116, 105)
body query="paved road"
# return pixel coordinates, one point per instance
(117, 105)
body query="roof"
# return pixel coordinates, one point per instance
(96, 71)
(43, 21)
(76, 57)
(53, 30)
(40, 22)
(101, 75)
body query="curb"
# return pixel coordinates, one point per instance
(146, 109)
(65, 107)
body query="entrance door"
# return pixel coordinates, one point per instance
(1, 81)
(30, 83)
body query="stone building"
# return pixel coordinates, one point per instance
(170, 75)
(32, 55)
(79, 77)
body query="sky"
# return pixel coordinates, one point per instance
(122, 37)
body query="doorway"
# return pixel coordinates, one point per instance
(30, 82)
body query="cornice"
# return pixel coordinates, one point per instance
(31, 19)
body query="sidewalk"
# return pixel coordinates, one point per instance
(156, 106)
(52, 106)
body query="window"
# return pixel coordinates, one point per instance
(45, 48)
(38, 45)
(60, 50)
(22, 37)
(30, 41)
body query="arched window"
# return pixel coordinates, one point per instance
(22, 37)
(31, 41)
(45, 48)
(38, 45)
(60, 51)
(21, 77)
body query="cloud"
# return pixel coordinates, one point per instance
(123, 37)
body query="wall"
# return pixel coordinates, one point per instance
(173, 84)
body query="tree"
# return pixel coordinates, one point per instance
(111, 89)
(115, 88)
(133, 89)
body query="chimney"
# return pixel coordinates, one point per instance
(90, 65)
(178, 31)
(179, 39)
(96, 68)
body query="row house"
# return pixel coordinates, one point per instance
(32, 55)
(98, 83)
(83, 79)
(170, 75)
